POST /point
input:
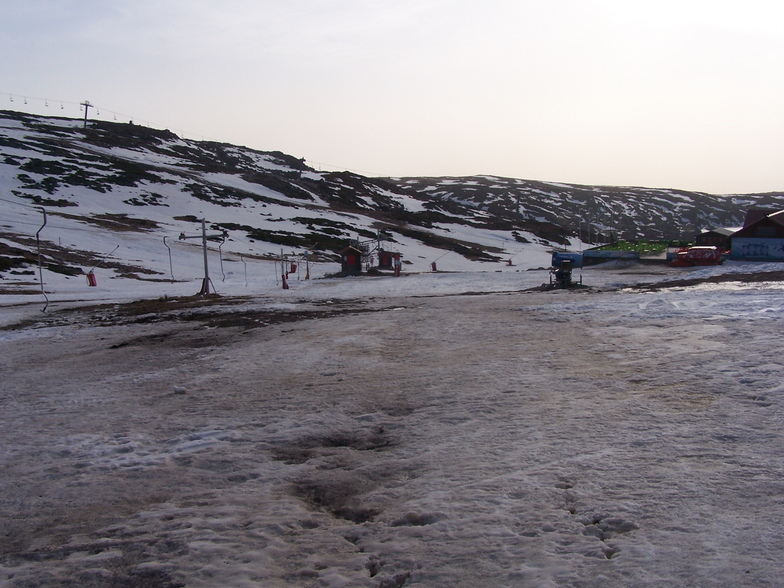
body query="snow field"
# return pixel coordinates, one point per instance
(507, 439)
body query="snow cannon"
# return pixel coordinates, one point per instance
(575, 258)
(561, 273)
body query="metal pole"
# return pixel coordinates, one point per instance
(246, 269)
(86, 105)
(283, 270)
(171, 268)
(40, 267)
(206, 286)
(220, 256)
(206, 269)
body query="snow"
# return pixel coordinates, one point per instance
(448, 428)
(147, 249)
(423, 437)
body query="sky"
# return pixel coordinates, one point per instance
(684, 94)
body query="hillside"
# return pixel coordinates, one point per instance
(596, 211)
(128, 183)
(119, 195)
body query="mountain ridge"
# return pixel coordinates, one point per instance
(626, 212)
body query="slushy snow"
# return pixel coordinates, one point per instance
(435, 430)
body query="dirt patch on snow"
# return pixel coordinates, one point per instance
(745, 278)
(210, 312)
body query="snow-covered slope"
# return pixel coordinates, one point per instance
(118, 196)
(596, 212)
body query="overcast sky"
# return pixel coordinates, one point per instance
(668, 93)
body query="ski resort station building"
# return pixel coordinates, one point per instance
(721, 238)
(761, 238)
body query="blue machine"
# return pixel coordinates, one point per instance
(575, 259)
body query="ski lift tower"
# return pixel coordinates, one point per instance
(205, 287)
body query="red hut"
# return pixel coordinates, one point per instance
(351, 260)
(385, 259)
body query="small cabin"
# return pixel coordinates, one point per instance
(351, 261)
(384, 260)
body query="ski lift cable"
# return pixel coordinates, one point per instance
(26, 223)
(181, 132)
(27, 98)
(51, 225)
(99, 109)
(36, 208)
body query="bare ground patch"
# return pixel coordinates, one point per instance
(211, 311)
(745, 278)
